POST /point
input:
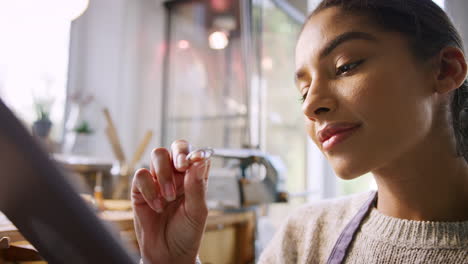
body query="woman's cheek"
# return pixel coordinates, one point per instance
(308, 126)
(311, 131)
(369, 92)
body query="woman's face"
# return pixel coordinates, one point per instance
(355, 74)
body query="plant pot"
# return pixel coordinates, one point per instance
(82, 145)
(41, 128)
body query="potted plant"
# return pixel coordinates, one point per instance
(83, 133)
(77, 129)
(42, 126)
(83, 128)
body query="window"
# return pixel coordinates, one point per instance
(283, 130)
(441, 3)
(227, 96)
(34, 60)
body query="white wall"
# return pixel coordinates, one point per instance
(116, 53)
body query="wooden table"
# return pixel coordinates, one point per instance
(229, 237)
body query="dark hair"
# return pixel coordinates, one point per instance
(429, 30)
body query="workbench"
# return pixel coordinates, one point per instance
(229, 237)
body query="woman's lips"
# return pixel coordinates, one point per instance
(337, 137)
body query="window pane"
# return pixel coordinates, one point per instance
(283, 129)
(441, 3)
(34, 59)
(205, 92)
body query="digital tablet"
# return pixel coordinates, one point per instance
(45, 206)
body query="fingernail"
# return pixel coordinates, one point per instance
(169, 192)
(181, 161)
(158, 205)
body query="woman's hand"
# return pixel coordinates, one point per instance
(169, 205)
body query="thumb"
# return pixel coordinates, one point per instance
(195, 185)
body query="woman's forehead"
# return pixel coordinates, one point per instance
(323, 27)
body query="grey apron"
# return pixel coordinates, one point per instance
(341, 247)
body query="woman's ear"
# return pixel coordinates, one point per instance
(452, 69)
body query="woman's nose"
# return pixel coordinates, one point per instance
(319, 103)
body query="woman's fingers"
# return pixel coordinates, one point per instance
(145, 190)
(180, 149)
(163, 169)
(195, 190)
(173, 172)
(207, 172)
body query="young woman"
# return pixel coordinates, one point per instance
(383, 88)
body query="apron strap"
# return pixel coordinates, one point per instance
(340, 249)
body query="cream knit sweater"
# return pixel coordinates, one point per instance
(309, 235)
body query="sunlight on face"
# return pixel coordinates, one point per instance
(352, 72)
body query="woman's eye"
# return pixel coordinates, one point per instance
(302, 98)
(348, 67)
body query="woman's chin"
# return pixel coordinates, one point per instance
(349, 172)
(347, 177)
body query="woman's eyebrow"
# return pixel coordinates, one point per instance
(340, 39)
(333, 44)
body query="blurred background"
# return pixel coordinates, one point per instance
(102, 82)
